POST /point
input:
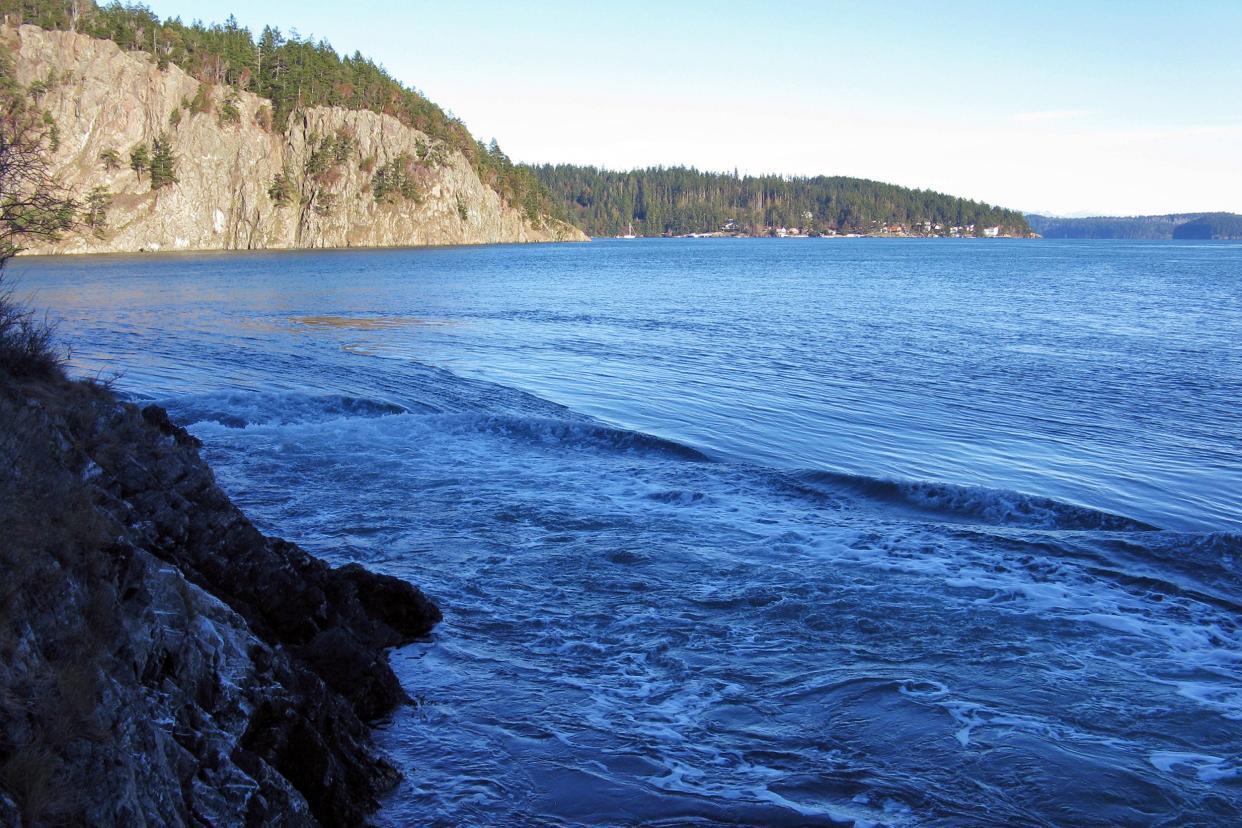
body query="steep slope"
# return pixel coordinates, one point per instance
(161, 661)
(334, 178)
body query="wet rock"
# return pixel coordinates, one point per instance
(161, 660)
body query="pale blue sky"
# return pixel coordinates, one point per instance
(1116, 107)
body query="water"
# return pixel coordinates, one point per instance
(754, 532)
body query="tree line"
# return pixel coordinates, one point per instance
(1171, 226)
(291, 71)
(680, 200)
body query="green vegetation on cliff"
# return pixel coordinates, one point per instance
(294, 73)
(678, 200)
(33, 204)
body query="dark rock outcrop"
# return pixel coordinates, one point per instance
(162, 662)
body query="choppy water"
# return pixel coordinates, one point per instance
(750, 532)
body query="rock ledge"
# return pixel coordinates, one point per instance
(162, 662)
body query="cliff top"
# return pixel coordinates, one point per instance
(291, 72)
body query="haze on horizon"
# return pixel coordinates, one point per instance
(1116, 109)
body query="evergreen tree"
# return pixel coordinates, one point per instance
(682, 200)
(96, 209)
(281, 189)
(163, 163)
(140, 159)
(293, 73)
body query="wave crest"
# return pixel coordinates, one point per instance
(575, 434)
(241, 409)
(999, 507)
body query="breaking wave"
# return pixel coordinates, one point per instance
(568, 433)
(998, 507)
(241, 409)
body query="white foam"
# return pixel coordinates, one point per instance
(1204, 767)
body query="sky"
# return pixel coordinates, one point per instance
(1070, 108)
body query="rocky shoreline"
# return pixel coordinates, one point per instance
(162, 662)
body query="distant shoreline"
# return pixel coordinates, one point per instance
(1032, 236)
(26, 255)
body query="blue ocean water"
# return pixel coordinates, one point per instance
(746, 531)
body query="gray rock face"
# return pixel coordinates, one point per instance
(161, 661)
(104, 99)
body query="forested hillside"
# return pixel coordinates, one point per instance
(1211, 226)
(678, 200)
(1172, 226)
(292, 72)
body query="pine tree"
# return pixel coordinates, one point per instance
(163, 163)
(96, 210)
(140, 159)
(293, 72)
(281, 189)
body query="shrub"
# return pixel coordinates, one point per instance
(53, 131)
(96, 212)
(263, 118)
(431, 155)
(281, 189)
(27, 342)
(202, 100)
(396, 179)
(229, 113)
(110, 159)
(324, 203)
(323, 155)
(345, 145)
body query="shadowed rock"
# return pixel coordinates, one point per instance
(161, 660)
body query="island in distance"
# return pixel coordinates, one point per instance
(1188, 226)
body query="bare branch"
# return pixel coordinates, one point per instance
(33, 203)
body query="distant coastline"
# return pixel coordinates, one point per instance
(1203, 226)
(890, 232)
(681, 201)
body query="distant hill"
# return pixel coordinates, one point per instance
(1172, 226)
(1211, 226)
(679, 200)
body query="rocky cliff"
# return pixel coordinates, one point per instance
(161, 661)
(324, 164)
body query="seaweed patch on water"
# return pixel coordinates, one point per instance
(366, 323)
